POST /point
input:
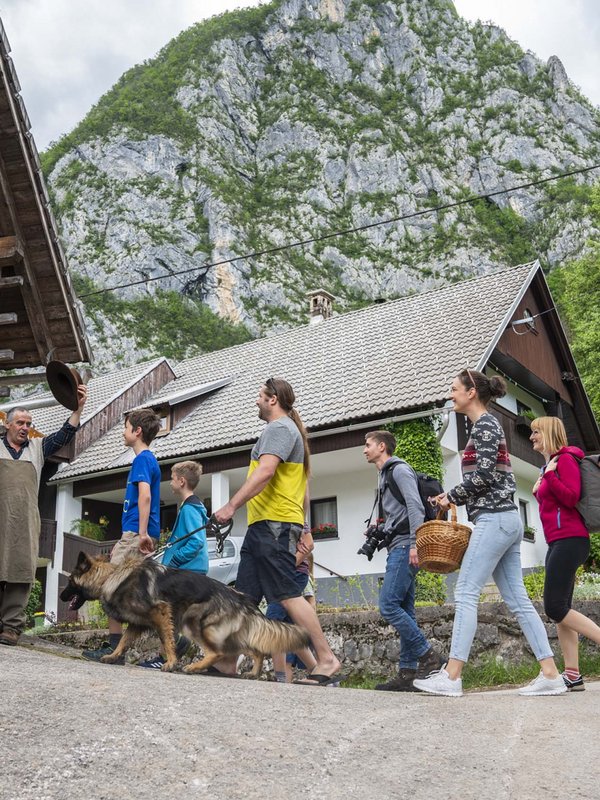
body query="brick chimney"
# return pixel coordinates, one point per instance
(320, 305)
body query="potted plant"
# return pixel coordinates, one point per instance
(529, 533)
(327, 530)
(524, 420)
(90, 530)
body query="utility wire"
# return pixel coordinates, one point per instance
(358, 228)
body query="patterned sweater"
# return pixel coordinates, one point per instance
(488, 482)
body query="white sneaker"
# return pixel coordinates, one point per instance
(544, 686)
(440, 683)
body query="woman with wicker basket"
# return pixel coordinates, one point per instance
(494, 548)
(558, 490)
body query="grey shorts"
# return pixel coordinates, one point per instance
(128, 546)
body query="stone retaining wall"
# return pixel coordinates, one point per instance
(367, 645)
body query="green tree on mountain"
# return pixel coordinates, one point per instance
(576, 289)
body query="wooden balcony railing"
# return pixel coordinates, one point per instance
(74, 544)
(48, 539)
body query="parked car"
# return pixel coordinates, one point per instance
(223, 568)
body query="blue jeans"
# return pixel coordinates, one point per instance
(495, 550)
(397, 606)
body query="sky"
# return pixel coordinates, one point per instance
(67, 53)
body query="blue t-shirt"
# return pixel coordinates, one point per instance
(144, 468)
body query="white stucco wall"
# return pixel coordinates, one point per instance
(68, 508)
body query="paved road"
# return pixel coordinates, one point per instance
(71, 729)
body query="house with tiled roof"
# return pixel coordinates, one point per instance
(352, 373)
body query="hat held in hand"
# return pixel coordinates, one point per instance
(63, 382)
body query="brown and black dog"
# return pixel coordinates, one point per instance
(147, 595)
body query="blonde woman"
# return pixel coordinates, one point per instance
(557, 491)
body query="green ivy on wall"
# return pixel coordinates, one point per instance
(417, 443)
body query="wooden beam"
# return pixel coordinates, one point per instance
(8, 319)
(30, 289)
(22, 378)
(10, 249)
(7, 355)
(12, 280)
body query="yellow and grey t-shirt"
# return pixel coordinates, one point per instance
(282, 499)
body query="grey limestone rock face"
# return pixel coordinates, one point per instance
(331, 114)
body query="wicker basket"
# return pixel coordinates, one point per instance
(441, 545)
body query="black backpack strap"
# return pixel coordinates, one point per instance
(395, 489)
(391, 483)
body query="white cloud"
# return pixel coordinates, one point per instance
(68, 53)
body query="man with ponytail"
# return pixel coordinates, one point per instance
(275, 492)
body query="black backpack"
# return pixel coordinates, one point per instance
(428, 487)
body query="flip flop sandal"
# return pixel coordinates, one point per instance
(316, 679)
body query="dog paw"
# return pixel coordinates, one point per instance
(169, 666)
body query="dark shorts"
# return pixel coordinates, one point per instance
(268, 561)
(563, 558)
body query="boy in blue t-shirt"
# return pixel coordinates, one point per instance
(185, 551)
(140, 523)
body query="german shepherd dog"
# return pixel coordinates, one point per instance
(147, 595)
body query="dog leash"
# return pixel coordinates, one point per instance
(212, 527)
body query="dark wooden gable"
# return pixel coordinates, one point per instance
(39, 319)
(539, 358)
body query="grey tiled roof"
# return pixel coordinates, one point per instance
(382, 360)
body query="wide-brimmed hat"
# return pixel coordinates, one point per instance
(63, 382)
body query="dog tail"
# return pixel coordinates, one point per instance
(268, 636)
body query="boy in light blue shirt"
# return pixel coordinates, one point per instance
(186, 547)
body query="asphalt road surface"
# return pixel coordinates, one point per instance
(73, 729)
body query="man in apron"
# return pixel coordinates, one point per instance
(21, 462)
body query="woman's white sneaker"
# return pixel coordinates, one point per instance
(440, 683)
(544, 686)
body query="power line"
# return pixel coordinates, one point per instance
(347, 231)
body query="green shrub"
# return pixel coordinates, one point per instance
(33, 604)
(417, 443)
(534, 583)
(88, 529)
(594, 557)
(430, 588)
(96, 614)
(587, 586)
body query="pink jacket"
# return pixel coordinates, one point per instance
(558, 494)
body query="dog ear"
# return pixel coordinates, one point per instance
(84, 562)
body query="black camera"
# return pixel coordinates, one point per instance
(376, 540)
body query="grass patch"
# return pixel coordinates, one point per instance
(490, 673)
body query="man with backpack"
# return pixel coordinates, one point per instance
(401, 508)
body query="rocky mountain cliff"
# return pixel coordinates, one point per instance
(266, 126)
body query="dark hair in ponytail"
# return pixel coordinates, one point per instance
(277, 387)
(487, 389)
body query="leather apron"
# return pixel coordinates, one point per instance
(19, 521)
